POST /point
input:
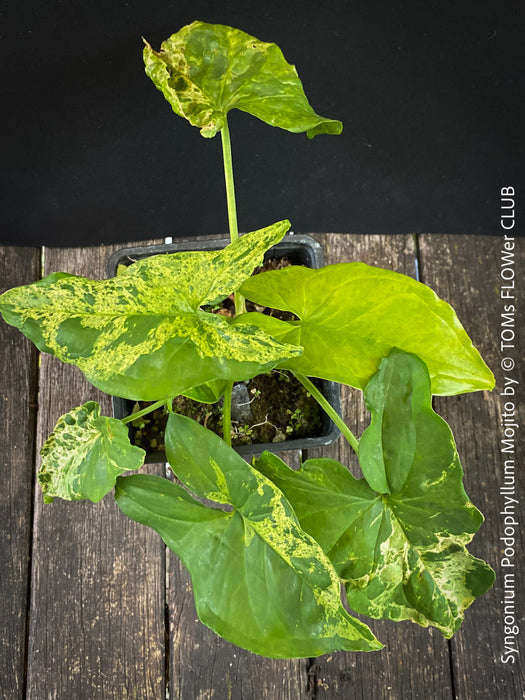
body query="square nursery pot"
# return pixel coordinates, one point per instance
(299, 250)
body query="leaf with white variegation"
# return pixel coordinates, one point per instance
(259, 580)
(351, 315)
(85, 453)
(142, 335)
(399, 544)
(205, 70)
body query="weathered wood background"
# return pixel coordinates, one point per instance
(93, 606)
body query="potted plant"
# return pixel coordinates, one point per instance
(272, 411)
(269, 547)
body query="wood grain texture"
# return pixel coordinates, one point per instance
(18, 397)
(97, 603)
(204, 666)
(465, 271)
(111, 612)
(414, 662)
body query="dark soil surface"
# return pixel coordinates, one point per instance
(269, 408)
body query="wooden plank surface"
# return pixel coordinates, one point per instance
(100, 613)
(18, 399)
(414, 662)
(97, 593)
(465, 271)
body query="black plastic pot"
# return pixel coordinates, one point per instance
(299, 250)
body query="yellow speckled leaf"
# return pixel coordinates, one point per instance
(259, 580)
(85, 453)
(142, 335)
(205, 70)
(399, 541)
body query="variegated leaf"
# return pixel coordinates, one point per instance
(205, 70)
(258, 579)
(85, 453)
(399, 544)
(142, 335)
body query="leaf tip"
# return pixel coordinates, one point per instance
(148, 49)
(332, 127)
(491, 379)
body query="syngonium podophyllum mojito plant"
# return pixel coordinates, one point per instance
(269, 548)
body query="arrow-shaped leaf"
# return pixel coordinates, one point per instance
(142, 335)
(400, 551)
(85, 453)
(205, 70)
(259, 580)
(351, 315)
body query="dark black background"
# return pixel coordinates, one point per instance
(430, 94)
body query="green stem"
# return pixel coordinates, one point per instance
(228, 178)
(144, 411)
(227, 415)
(321, 400)
(230, 198)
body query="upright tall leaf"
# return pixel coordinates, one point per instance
(259, 580)
(398, 542)
(85, 453)
(142, 335)
(205, 70)
(351, 315)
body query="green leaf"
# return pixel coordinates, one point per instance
(404, 429)
(142, 335)
(205, 70)
(327, 499)
(401, 552)
(210, 392)
(258, 579)
(84, 455)
(351, 315)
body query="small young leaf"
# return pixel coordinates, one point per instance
(401, 552)
(85, 453)
(404, 430)
(142, 335)
(210, 392)
(259, 580)
(205, 70)
(351, 315)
